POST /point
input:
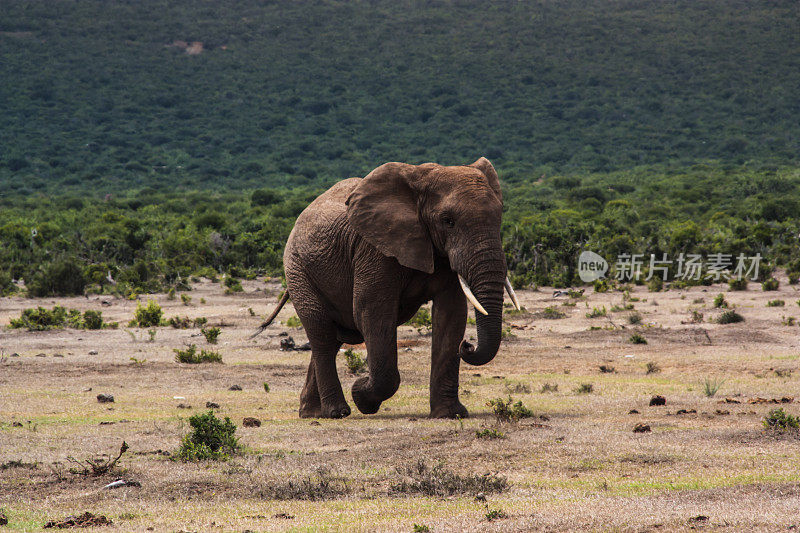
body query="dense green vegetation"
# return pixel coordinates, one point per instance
(631, 126)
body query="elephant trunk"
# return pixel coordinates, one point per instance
(486, 280)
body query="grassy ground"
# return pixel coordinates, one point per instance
(576, 465)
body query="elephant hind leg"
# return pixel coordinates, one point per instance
(310, 404)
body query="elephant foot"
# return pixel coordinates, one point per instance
(329, 411)
(363, 399)
(450, 410)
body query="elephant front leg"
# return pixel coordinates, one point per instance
(449, 322)
(380, 336)
(310, 404)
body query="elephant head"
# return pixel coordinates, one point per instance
(414, 212)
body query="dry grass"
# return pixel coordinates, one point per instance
(584, 468)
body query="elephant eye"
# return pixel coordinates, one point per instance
(448, 221)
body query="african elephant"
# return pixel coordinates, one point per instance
(366, 254)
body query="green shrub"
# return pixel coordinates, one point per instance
(508, 410)
(489, 434)
(293, 322)
(776, 303)
(190, 356)
(634, 318)
(60, 278)
(355, 363)
(719, 301)
(232, 285)
(549, 387)
(780, 421)
(770, 284)
(421, 319)
(585, 388)
(147, 316)
(186, 299)
(211, 334)
(597, 312)
(730, 317)
(637, 339)
(737, 284)
(652, 368)
(93, 319)
(41, 319)
(211, 438)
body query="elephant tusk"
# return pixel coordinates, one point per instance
(512, 295)
(471, 297)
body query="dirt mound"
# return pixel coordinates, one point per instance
(87, 519)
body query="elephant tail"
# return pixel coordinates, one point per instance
(268, 321)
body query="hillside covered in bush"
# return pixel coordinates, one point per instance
(109, 96)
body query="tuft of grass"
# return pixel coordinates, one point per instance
(293, 322)
(495, 514)
(211, 438)
(551, 313)
(652, 368)
(548, 387)
(186, 299)
(232, 285)
(356, 364)
(508, 410)
(712, 386)
(421, 528)
(730, 317)
(607, 369)
(211, 334)
(321, 485)
(776, 303)
(720, 301)
(585, 388)
(517, 388)
(637, 339)
(597, 312)
(788, 320)
(266, 387)
(697, 317)
(440, 482)
(190, 356)
(780, 421)
(147, 316)
(634, 319)
(489, 434)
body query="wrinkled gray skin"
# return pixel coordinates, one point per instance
(367, 253)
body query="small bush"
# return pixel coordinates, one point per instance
(776, 303)
(191, 356)
(652, 368)
(495, 514)
(585, 388)
(712, 386)
(321, 486)
(697, 317)
(185, 322)
(779, 420)
(293, 322)
(148, 316)
(211, 334)
(788, 320)
(489, 434)
(730, 317)
(597, 312)
(634, 319)
(441, 482)
(93, 319)
(421, 319)
(186, 299)
(355, 363)
(60, 278)
(421, 528)
(548, 387)
(607, 369)
(232, 285)
(770, 284)
(637, 339)
(508, 410)
(737, 284)
(517, 388)
(211, 438)
(719, 301)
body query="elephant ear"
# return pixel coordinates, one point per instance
(383, 210)
(488, 170)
